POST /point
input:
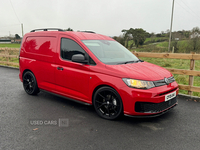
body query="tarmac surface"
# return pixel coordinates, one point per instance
(46, 121)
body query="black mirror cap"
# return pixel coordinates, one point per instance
(79, 58)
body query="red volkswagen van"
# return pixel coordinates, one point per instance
(94, 69)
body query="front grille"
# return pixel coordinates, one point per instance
(162, 82)
(146, 107)
(167, 92)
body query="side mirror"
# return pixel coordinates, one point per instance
(79, 58)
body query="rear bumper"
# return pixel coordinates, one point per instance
(20, 76)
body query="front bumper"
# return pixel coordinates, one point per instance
(147, 107)
(138, 102)
(153, 115)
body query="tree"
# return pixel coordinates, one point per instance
(17, 36)
(148, 34)
(69, 29)
(186, 34)
(158, 35)
(175, 45)
(138, 36)
(127, 37)
(195, 39)
(152, 37)
(120, 39)
(167, 32)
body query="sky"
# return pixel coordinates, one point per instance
(107, 17)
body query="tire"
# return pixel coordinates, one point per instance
(107, 103)
(30, 83)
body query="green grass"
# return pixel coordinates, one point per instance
(163, 44)
(10, 45)
(15, 60)
(156, 39)
(178, 64)
(148, 40)
(171, 63)
(182, 46)
(183, 43)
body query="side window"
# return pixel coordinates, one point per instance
(91, 61)
(39, 45)
(70, 48)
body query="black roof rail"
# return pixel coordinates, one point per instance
(47, 29)
(87, 31)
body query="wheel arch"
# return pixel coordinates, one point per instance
(104, 85)
(31, 72)
(121, 112)
(26, 71)
(30, 85)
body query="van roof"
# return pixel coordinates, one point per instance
(85, 35)
(89, 36)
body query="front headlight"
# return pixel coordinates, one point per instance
(139, 84)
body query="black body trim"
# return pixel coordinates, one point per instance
(47, 29)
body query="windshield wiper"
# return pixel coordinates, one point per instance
(135, 61)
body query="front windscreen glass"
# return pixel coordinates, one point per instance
(110, 52)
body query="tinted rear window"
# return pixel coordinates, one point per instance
(39, 45)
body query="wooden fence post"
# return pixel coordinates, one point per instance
(191, 78)
(7, 55)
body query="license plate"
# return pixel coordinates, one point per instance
(170, 96)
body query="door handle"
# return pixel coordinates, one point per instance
(60, 68)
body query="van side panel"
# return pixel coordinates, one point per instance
(37, 54)
(73, 80)
(40, 48)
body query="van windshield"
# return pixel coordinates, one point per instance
(110, 52)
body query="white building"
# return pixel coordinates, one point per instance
(194, 35)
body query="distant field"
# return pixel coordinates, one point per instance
(156, 39)
(10, 45)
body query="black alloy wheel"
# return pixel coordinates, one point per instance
(30, 83)
(107, 103)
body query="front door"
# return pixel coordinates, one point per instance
(72, 79)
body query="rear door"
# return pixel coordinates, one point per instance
(38, 55)
(72, 79)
